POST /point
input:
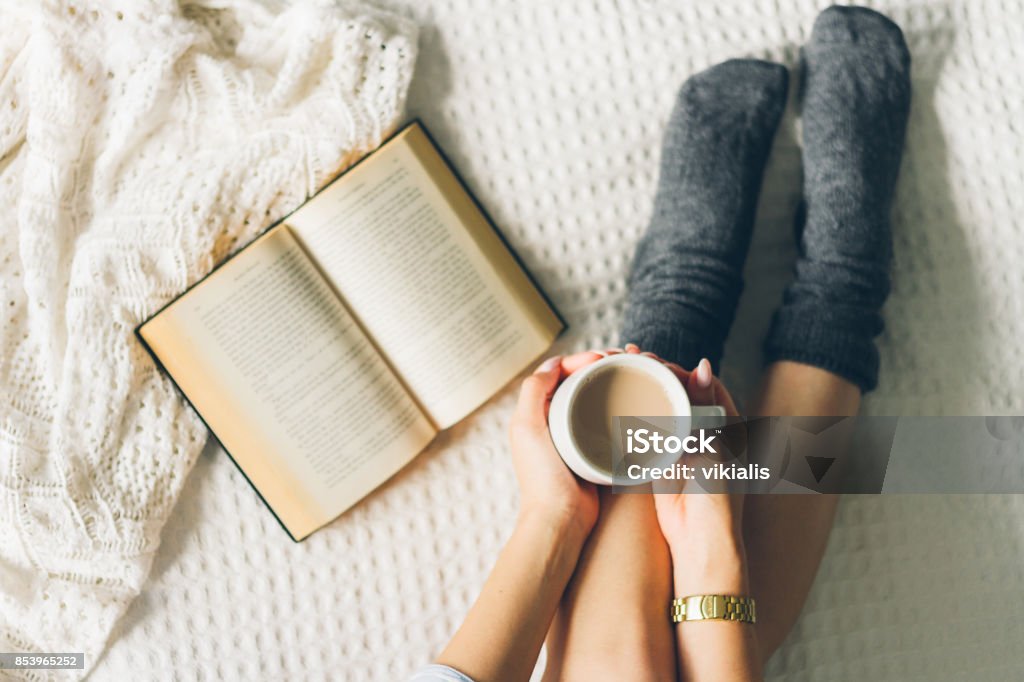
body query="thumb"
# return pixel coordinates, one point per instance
(535, 394)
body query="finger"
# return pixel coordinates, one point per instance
(549, 364)
(531, 411)
(724, 398)
(632, 349)
(578, 361)
(700, 384)
(682, 374)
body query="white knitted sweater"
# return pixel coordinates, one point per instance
(140, 143)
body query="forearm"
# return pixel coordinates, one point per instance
(714, 650)
(501, 636)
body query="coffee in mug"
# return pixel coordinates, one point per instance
(618, 390)
(583, 409)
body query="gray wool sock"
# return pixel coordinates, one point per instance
(856, 99)
(687, 272)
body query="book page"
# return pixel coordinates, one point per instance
(288, 382)
(428, 278)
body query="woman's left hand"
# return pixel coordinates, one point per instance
(704, 527)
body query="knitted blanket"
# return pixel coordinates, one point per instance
(140, 143)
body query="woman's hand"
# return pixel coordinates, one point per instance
(548, 490)
(703, 529)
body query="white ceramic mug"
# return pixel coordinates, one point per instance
(560, 421)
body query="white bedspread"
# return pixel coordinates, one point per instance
(553, 111)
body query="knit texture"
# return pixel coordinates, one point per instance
(140, 144)
(687, 274)
(856, 99)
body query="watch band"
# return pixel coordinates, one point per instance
(714, 607)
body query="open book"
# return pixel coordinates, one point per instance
(329, 352)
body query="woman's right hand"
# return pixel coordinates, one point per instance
(548, 490)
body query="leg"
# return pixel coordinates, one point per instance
(686, 279)
(856, 84)
(785, 535)
(821, 350)
(688, 269)
(609, 626)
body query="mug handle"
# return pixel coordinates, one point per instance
(707, 416)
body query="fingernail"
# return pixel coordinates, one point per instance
(704, 372)
(548, 365)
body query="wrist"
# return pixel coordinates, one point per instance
(710, 565)
(714, 537)
(565, 525)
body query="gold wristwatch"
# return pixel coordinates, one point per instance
(714, 607)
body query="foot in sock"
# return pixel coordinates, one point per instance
(687, 272)
(856, 99)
